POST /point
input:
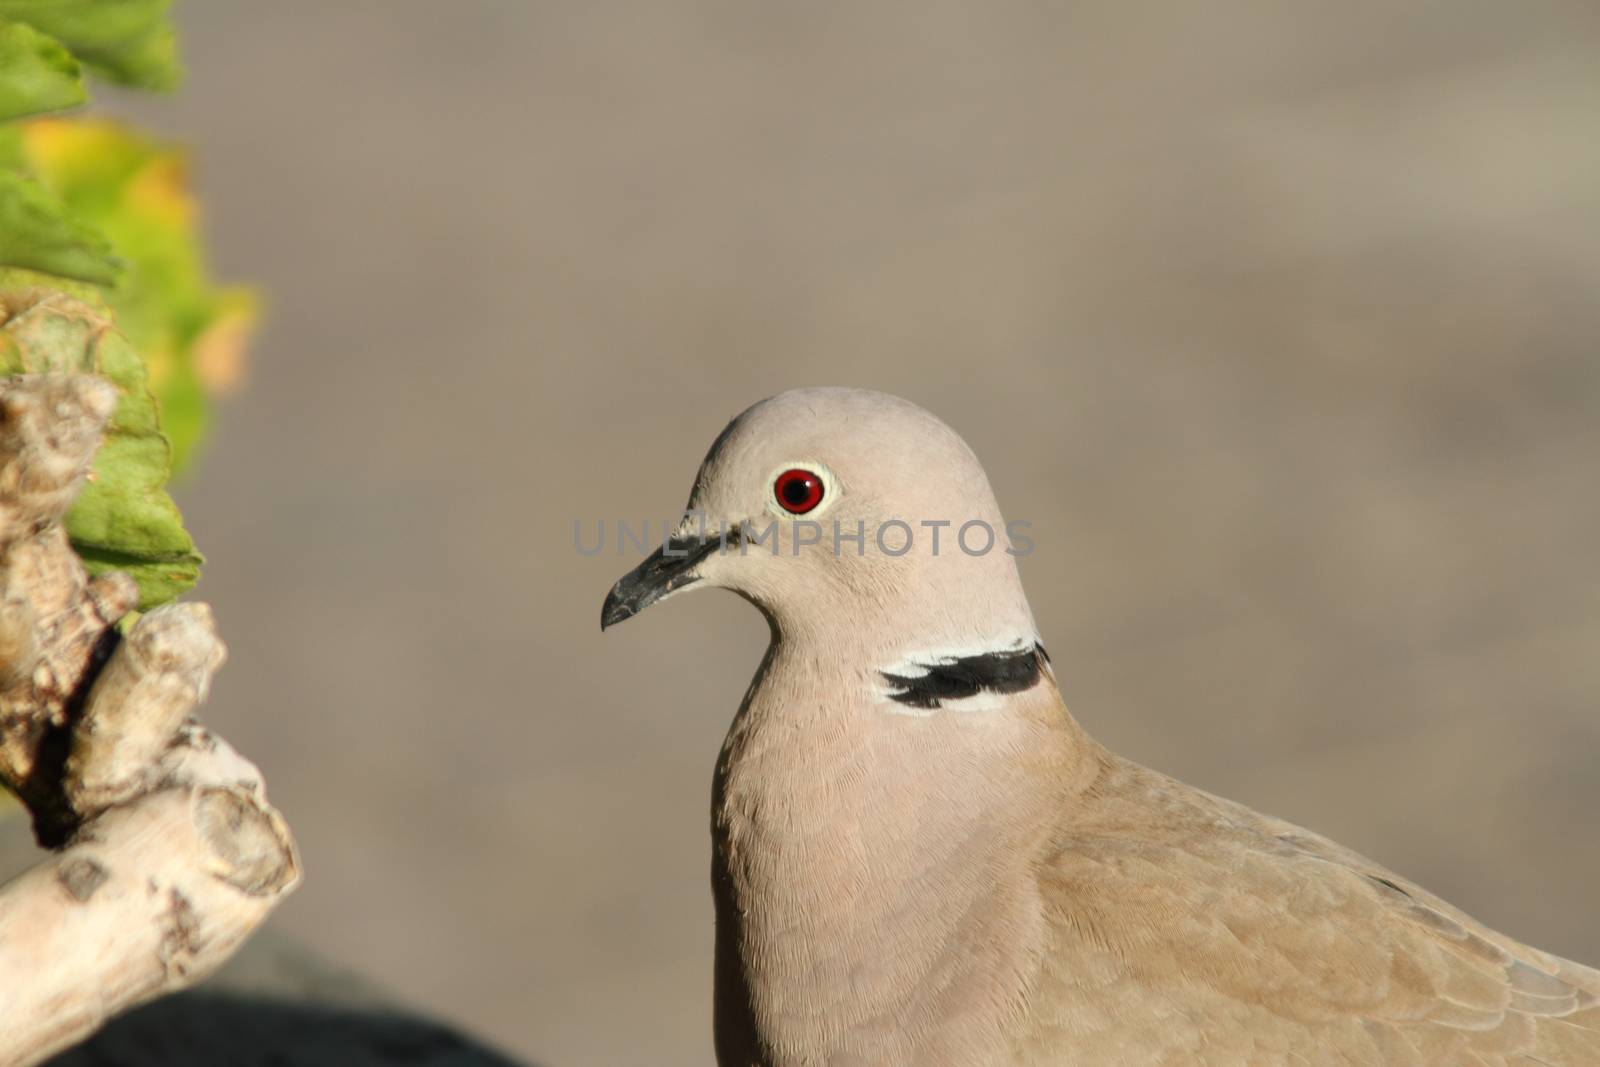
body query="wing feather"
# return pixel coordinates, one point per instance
(1188, 929)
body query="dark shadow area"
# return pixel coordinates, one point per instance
(203, 1029)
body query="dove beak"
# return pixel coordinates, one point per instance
(668, 569)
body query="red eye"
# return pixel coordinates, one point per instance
(798, 491)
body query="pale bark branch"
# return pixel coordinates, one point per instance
(166, 855)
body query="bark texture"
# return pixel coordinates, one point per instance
(165, 855)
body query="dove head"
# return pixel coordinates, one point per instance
(838, 510)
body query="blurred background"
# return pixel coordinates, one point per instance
(1277, 321)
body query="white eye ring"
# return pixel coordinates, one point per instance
(830, 489)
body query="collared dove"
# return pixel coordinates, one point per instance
(922, 859)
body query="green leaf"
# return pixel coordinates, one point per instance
(36, 73)
(126, 41)
(192, 333)
(123, 519)
(160, 582)
(38, 233)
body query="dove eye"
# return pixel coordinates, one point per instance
(797, 490)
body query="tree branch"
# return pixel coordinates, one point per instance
(167, 854)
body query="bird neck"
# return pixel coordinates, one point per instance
(871, 864)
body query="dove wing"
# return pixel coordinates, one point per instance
(1185, 929)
